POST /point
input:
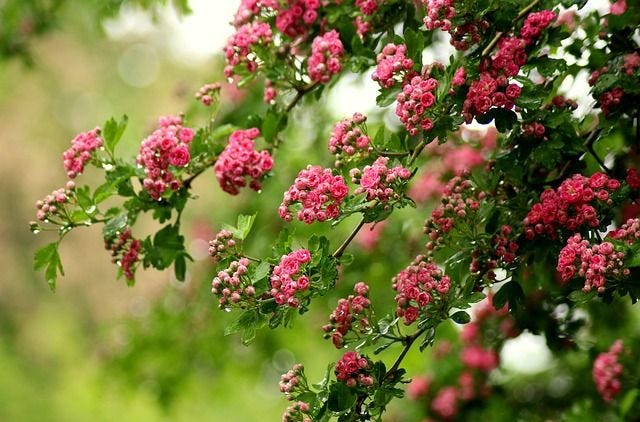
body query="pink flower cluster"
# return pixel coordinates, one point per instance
(629, 232)
(445, 403)
(348, 138)
(487, 92)
(293, 381)
(631, 63)
(270, 92)
(368, 7)
(417, 285)
(493, 89)
(594, 263)
(393, 65)
(534, 130)
(479, 352)
(125, 250)
(318, 191)
(326, 52)
(232, 285)
(378, 181)
(570, 206)
(502, 252)
(288, 278)
(457, 159)
(294, 20)
(166, 146)
(239, 46)
(459, 198)
(353, 370)
(607, 371)
(220, 246)
(351, 313)
(439, 15)
(610, 99)
(535, 23)
(633, 179)
(240, 161)
(52, 204)
(249, 9)
(82, 147)
(297, 412)
(416, 98)
(618, 7)
(476, 353)
(595, 75)
(208, 93)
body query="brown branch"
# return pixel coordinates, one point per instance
(499, 35)
(338, 253)
(408, 342)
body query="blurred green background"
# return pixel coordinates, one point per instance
(97, 349)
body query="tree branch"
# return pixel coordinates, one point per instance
(499, 35)
(338, 253)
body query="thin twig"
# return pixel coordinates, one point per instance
(338, 253)
(300, 92)
(408, 342)
(499, 35)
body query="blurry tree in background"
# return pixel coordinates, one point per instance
(512, 126)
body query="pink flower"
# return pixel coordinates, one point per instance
(326, 52)
(240, 162)
(393, 65)
(618, 7)
(179, 157)
(318, 192)
(81, 151)
(166, 146)
(607, 371)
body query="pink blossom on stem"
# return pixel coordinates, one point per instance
(353, 370)
(618, 7)
(318, 191)
(607, 371)
(416, 98)
(166, 148)
(326, 53)
(570, 206)
(288, 279)
(240, 162)
(240, 46)
(417, 286)
(380, 182)
(81, 151)
(393, 65)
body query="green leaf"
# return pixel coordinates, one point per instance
(511, 292)
(112, 132)
(245, 222)
(247, 323)
(415, 44)
(578, 296)
(180, 267)
(628, 401)
(261, 271)
(115, 225)
(461, 317)
(272, 124)
(634, 261)
(103, 192)
(47, 258)
(341, 397)
(387, 96)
